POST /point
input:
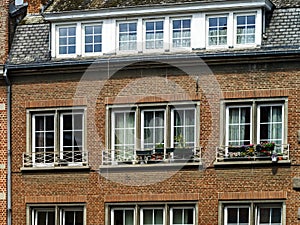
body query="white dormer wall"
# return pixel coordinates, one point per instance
(199, 29)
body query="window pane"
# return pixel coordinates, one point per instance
(232, 215)
(79, 218)
(177, 216)
(147, 217)
(244, 215)
(78, 121)
(276, 215)
(69, 218)
(158, 216)
(264, 215)
(67, 122)
(188, 216)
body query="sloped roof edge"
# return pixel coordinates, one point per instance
(157, 9)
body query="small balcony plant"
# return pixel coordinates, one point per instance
(265, 148)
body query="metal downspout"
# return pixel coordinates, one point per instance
(8, 185)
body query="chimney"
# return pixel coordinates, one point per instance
(34, 6)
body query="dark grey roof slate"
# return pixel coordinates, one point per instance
(284, 28)
(70, 5)
(30, 44)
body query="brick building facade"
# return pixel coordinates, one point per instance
(112, 124)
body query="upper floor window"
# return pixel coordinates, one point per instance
(253, 213)
(198, 30)
(92, 38)
(217, 31)
(154, 127)
(154, 34)
(67, 40)
(57, 215)
(155, 214)
(267, 119)
(57, 136)
(181, 33)
(127, 36)
(245, 29)
(269, 125)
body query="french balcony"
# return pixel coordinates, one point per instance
(151, 157)
(253, 154)
(68, 159)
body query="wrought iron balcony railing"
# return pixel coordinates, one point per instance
(52, 159)
(253, 152)
(151, 156)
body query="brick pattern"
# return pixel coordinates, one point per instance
(253, 195)
(4, 4)
(207, 187)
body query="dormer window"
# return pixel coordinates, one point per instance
(154, 34)
(67, 40)
(217, 31)
(205, 30)
(92, 39)
(127, 36)
(181, 33)
(245, 29)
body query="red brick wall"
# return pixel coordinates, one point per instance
(3, 30)
(34, 6)
(207, 187)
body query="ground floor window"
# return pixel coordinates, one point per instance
(154, 214)
(56, 215)
(253, 213)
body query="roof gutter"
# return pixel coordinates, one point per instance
(9, 181)
(217, 58)
(156, 9)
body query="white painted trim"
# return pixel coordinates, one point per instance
(157, 9)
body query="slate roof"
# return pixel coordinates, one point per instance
(31, 42)
(70, 5)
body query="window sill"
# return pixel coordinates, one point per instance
(246, 162)
(54, 168)
(157, 166)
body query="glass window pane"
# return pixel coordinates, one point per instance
(78, 121)
(39, 123)
(276, 215)
(158, 216)
(244, 215)
(177, 216)
(79, 218)
(232, 215)
(67, 122)
(147, 219)
(264, 215)
(149, 25)
(63, 31)
(69, 218)
(176, 24)
(72, 31)
(88, 30)
(188, 216)
(186, 23)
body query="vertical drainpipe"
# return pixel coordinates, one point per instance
(8, 185)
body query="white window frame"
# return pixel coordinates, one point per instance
(227, 121)
(258, 29)
(120, 51)
(143, 126)
(122, 208)
(239, 207)
(173, 122)
(228, 35)
(33, 137)
(172, 48)
(57, 36)
(60, 124)
(259, 123)
(268, 206)
(152, 208)
(182, 208)
(253, 206)
(57, 113)
(145, 35)
(83, 39)
(58, 210)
